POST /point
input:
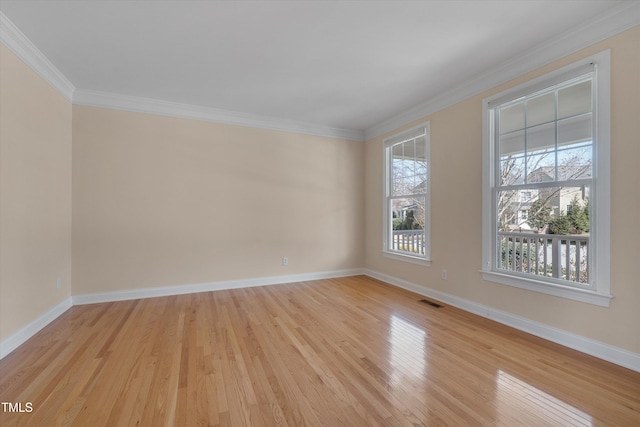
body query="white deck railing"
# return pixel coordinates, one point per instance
(552, 255)
(408, 241)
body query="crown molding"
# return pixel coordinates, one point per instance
(187, 111)
(15, 40)
(615, 21)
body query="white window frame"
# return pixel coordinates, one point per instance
(387, 252)
(600, 200)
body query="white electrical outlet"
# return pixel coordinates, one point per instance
(285, 261)
(444, 274)
(59, 283)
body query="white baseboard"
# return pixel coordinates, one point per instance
(598, 349)
(207, 287)
(591, 347)
(15, 340)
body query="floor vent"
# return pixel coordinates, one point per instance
(431, 303)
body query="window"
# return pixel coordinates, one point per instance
(545, 142)
(524, 215)
(406, 209)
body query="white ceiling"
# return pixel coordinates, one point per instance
(339, 64)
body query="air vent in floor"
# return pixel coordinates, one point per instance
(431, 303)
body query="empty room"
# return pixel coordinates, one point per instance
(319, 213)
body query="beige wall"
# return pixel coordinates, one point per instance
(456, 205)
(161, 201)
(35, 195)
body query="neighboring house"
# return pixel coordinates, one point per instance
(400, 211)
(401, 207)
(559, 199)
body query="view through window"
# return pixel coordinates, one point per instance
(407, 188)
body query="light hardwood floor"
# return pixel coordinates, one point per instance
(339, 352)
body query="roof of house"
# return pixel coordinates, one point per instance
(565, 173)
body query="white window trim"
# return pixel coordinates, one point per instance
(387, 253)
(601, 208)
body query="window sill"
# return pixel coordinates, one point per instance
(407, 258)
(582, 295)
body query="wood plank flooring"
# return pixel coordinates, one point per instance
(339, 352)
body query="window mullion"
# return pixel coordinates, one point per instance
(548, 184)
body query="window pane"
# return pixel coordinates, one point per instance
(574, 130)
(408, 177)
(541, 168)
(402, 179)
(409, 209)
(409, 149)
(408, 224)
(421, 171)
(512, 143)
(555, 256)
(574, 100)
(512, 118)
(409, 167)
(541, 109)
(508, 205)
(397, 151)
(574, 163)
(547, 210)
(512, 171)
(541, 138)
(421, 148)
